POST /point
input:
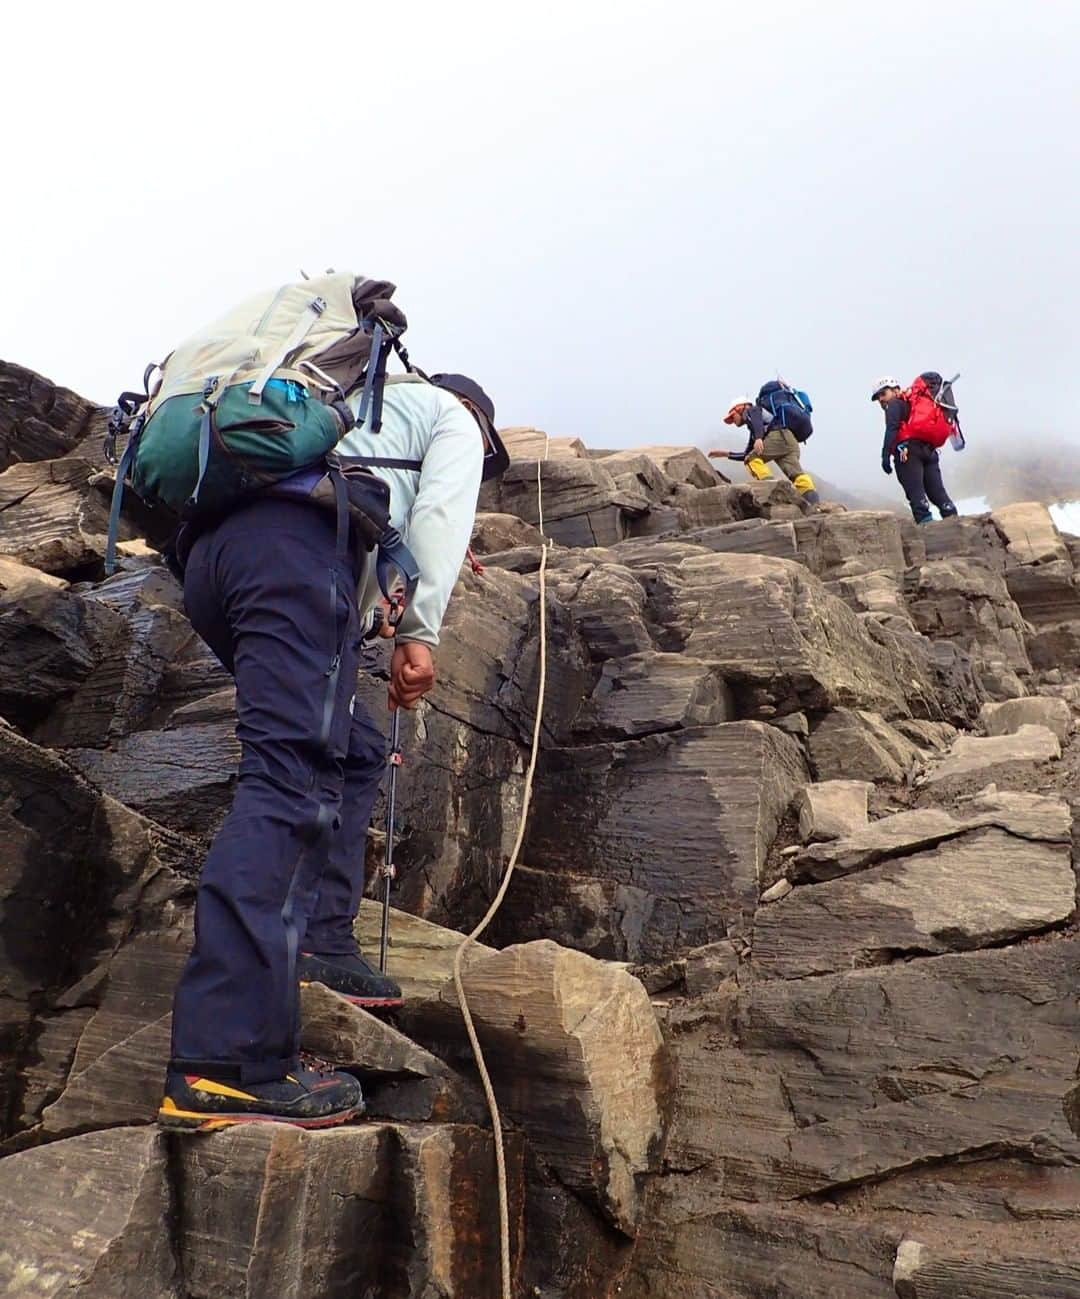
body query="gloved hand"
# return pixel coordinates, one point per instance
(886, 465)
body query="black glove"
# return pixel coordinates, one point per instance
(886, 465)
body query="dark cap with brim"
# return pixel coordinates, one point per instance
(496, 456)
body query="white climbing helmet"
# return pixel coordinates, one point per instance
(736, 404)
(886, 381)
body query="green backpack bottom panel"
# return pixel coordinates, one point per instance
(250, 447)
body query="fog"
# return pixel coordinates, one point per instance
(615, 216)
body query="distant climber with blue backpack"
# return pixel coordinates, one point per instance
(306, 477)
(777, 423)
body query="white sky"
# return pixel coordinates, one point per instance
(616, 216)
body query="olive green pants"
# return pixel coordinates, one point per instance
(781, 446)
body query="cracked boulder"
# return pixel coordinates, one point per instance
(775, 538)
(120, 694)
(981, 889)
(577, 1059)
(852, 744)
(118, 1067)
(782, 641)
(682, 464)
(88, 1218)
(683, 821)
(51, 640)
(973, 755)
(270, 1209)
(1025, 816)
(583, 505)
(648, 692)
(837, 546)
(607, 604)
(964, 601)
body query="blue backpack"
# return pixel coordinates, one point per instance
(789, 407)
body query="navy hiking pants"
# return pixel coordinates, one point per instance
(268, 592)
(918, 467)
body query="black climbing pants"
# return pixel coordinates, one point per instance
(918, 467)
(268, 592)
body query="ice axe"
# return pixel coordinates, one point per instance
(388, 871)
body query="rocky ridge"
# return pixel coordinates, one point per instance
(781, 1003)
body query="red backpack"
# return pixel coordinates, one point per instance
(927, 419)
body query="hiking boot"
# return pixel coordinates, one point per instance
(350, 975)
(306, 1098)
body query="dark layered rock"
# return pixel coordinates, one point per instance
(40, 421)
(812, 1086)
(182, 777)
(78, 873)
(104, 1236)
(979, 890)
(782, 641)
(958, 599)
(51, 640)
(682, 822)
(644, 693)
(851, 744)
(117, 1070)
(54, 516)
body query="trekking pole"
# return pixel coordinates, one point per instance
(388, 872)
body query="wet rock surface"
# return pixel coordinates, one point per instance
(781, 1003)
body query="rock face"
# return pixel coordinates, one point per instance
(38, 420)
(851, 744)
(781, 1003)
(53, 518)
(269, 1209)
(104, 1236)
(979, 890)
(671, 832)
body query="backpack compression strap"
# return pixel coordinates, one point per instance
(300, 331)
(386, 462)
